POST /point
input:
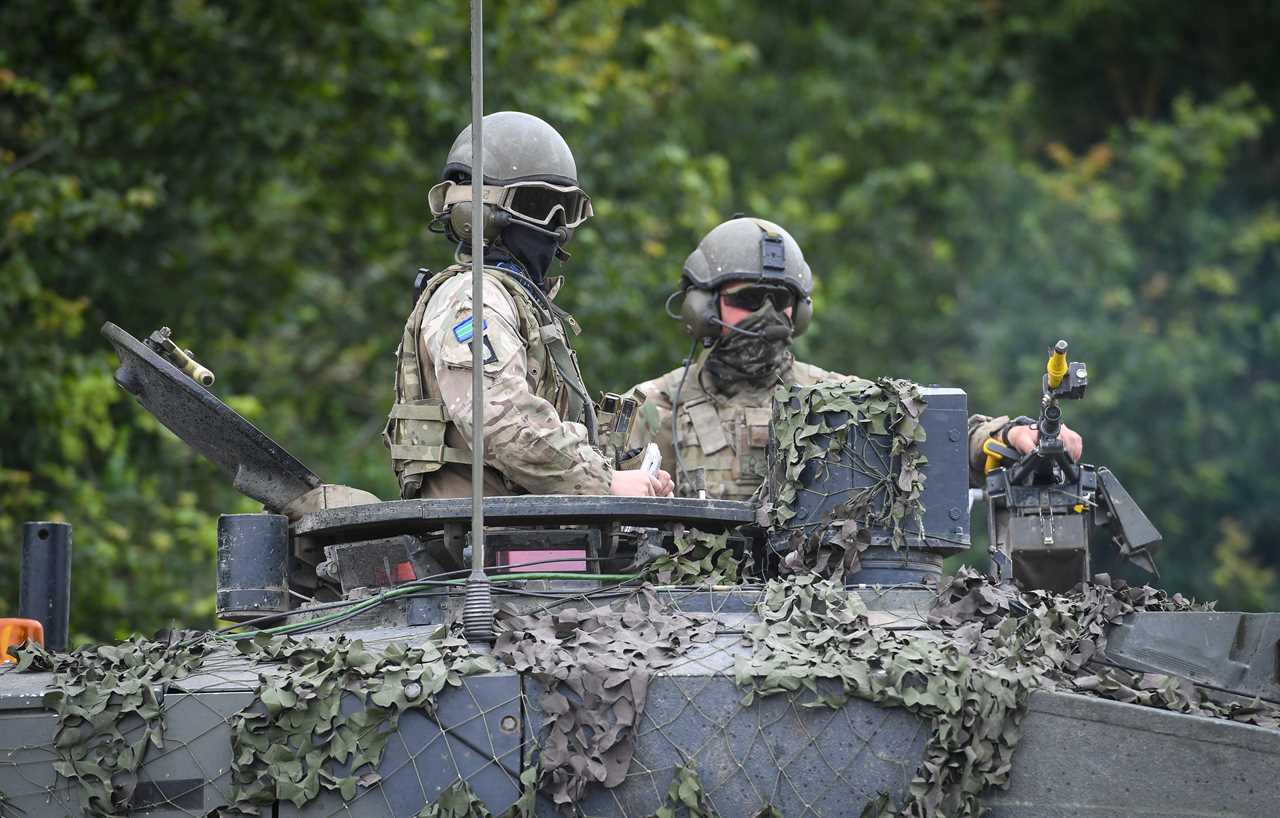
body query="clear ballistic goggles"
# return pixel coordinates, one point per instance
(533, 202)
(754, 296)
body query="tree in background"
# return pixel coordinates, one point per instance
(969, 183)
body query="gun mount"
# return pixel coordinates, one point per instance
(1043, 506)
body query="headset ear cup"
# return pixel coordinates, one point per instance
(460, 221)
(801, 317)
(696, 312)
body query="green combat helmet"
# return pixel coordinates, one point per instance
(530, 178)
(743, 249)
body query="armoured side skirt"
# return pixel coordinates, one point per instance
(1082, 757)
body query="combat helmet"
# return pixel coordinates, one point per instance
(530, 177)
(743, 249)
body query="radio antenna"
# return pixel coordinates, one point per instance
(477, 611)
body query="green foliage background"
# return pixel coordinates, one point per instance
(970, 181)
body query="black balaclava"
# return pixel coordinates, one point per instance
(739, 360)
(534, 250)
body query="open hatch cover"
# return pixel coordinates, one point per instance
(259, 467)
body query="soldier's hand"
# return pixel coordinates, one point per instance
(1024, 439)
(665, 485)
(638, 483)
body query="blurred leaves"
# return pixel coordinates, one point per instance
(969, 182)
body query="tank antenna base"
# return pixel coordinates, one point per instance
(477, 612)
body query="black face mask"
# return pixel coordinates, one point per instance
(532, 249)
(739, 360)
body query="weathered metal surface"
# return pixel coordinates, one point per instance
(805, 761)
(27, 777)
(252, 567)
(44, 592)
(258, 466)
(1238, 652)
(1084, 757)
(22, 690)
(388, 519)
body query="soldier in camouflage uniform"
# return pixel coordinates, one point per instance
(747, 295)
(540, 429)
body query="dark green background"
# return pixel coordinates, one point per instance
(970, 181)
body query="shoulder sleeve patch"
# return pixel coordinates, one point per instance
(464, 329)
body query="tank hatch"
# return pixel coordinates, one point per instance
(259, 467)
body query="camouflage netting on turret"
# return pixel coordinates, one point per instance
(813, 424)
(700, 558)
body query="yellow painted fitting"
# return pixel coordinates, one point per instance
(1057, 367)
(993, 459)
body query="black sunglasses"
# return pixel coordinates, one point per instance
(753, 298)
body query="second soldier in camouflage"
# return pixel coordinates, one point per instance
(747, 295)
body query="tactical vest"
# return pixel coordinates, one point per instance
(416, 426)
(722, 448)
(724, 439)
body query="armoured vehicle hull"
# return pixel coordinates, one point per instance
(1079, 756)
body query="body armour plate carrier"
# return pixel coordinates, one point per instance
(723, 448)
(416, 428)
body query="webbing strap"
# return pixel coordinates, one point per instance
(580, 405)
(420, 410)
(431, 454)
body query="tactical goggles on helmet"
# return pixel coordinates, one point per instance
(533, 202)
(754, 296)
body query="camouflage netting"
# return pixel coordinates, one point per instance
(972, 687)
(700, 558)
(810, 645)
(1075, 625)
(596, 664)
(813, 425)
(108, 699)
(459, 801)
(287, 746)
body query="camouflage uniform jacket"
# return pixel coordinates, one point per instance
(723, 438)
(535, 441)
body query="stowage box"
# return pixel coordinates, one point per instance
(825, 487)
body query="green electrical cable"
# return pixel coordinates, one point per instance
(395, 593)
